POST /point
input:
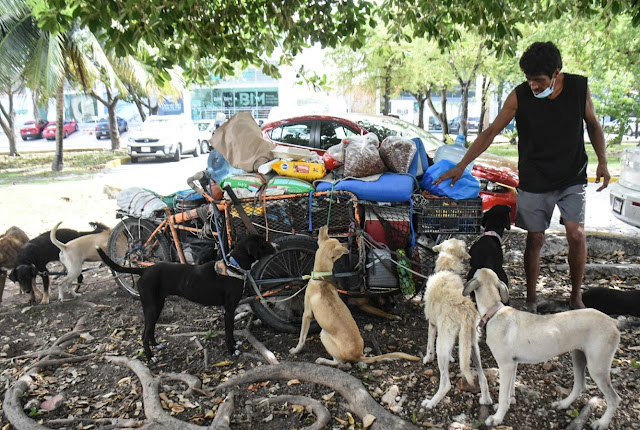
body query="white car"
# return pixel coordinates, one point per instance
(206, 127)
(164, 136)
(624, 195)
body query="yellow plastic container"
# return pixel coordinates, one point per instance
(300, 169)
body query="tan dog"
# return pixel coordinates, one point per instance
(521, 337)
(10, 243)
(340, 334)
(73, 254)
(452, 315)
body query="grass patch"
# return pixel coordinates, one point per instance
(29, 167)
(613, 155)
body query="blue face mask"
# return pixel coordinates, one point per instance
(546, 93)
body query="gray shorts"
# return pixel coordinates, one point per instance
(534, 210)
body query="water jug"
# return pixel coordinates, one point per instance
(219, 168)
(454, 152)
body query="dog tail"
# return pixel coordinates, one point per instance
(113, 266)
(54, 240)
(389, 356)
(466, 340)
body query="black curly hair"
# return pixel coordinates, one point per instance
(541, 58)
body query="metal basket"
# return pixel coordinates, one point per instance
(435, 214)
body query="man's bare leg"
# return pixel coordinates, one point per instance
(535, 240)
(577, 240)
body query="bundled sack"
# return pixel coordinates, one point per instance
(140, 202)
(467, 186)
(361, 156)
(240, 141)
(398, 153)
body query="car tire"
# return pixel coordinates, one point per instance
(98, 137)
(178, 154)
(76, 129)
(24, 138)
(196, 151)
(134, 160)
(65, 135)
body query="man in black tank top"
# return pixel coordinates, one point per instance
(550, 109)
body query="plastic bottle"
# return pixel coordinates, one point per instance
(454, 152)
(219, 168)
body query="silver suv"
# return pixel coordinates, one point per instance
(164, 136)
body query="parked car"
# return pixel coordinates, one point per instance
(497, 175)
(472, 124)
(33, 129)
(68, 126)
(164, 136)
(102, 127)
(206, 127)
(624, 195)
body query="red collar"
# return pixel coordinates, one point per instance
(490, 313)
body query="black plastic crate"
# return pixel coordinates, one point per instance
(435, 214)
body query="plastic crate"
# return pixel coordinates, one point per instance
(388, 224)
(435, 214)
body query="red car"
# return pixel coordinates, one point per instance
(68, 127)
(498, 176)
(33, 129)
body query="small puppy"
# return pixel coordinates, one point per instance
(340, 334)
(487, 250)
(452, 315)
(74, 253)
(34, 255)
(613, 302)
(10, 243)
(205, 284)
(521, 337)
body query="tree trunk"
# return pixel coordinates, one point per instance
(500, 90)
(8, 122)
(114, 133)
(153, 110)
(387, 92)
(420, 98)
(486, 81)
(58, 161)
(464, 114)
(442, 116)
(143, 115)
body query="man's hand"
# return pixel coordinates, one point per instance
(602, 172)
(454, 174)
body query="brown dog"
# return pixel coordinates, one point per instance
(340, 334)
(10, 243)
(73, 254)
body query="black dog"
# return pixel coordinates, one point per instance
(34, 255)
(203, 284)
(613, 302)
(487, 251)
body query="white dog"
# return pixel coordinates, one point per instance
(452, 315)
(521, 337)
(75, 252)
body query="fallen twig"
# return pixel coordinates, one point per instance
(579, 422)
(323, 417)
(223, 415)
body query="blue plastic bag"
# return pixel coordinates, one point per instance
(467, 186)
(420, 160)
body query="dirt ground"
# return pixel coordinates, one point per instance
(96, 393)
(65, 351)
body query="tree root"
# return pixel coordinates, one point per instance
(323, 417)
(223, 415)
(13, 408)
(579, 422)
(359, 400)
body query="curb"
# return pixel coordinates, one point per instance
(117, 162)
(592, 179)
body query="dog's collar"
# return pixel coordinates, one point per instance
(494, 234)
(322, 276)
(490, 313)
(233, 269)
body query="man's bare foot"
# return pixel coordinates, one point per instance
(576, 304)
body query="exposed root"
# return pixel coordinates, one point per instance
(358, 398)
(579, 422)
(223, 416)
(323, 417)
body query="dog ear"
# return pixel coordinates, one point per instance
(13, 276)
(33, 270)
(483, 222)
(437, 248)
(323, 234)
(504, 292)
(470, 286)
(338, 251)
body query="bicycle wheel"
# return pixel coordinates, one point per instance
(127, 248)
(284, 299)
